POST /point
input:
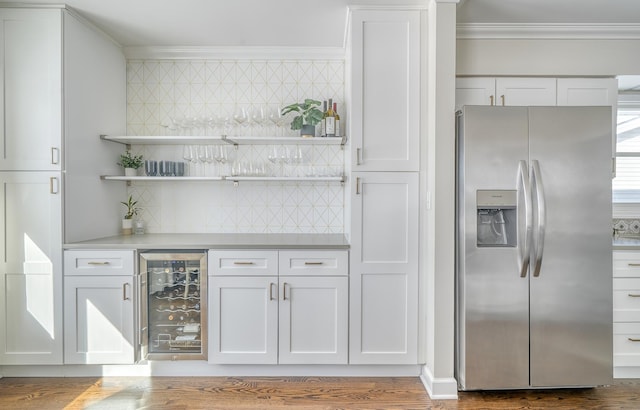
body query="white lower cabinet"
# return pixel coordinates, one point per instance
(270, 318)
(100, 307)
(30, 268)
(626, 314)
(384, 268)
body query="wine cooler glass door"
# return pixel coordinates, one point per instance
(175, 305)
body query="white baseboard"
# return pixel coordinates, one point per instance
(202, 368)
(439, 388)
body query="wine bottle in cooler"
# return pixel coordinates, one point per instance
(330, 120)
(337, 117)
(323, 123)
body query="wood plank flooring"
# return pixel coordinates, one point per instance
(180, 393)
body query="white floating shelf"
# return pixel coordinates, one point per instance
(220, 178)
(222, 139)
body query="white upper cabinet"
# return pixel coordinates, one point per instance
(587, 91)
(385, 89)
(31, 103)
(514, 91)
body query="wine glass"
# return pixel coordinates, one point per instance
(258, 117)
(241, 116)
(276, 117)
(187, 155)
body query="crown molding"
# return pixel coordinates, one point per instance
(234, 53)
(549, 31)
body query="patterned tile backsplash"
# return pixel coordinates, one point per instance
(626, 227)
(161, 90)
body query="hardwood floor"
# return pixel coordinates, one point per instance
(180, 393)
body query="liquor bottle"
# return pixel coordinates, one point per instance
(330, 121)
(335, 112)
(323, 123)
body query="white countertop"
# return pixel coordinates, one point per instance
(216, 240)
(626, 243)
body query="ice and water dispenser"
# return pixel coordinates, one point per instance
(497, 217)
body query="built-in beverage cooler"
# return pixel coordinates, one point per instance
(173, 305)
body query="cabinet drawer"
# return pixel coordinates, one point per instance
(226, 263)
(626, 264)
(309, 262)
(626, 344)
(626, 300)
(99, 262)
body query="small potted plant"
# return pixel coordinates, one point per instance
(309, 116)
(131, 163)
(127, 221)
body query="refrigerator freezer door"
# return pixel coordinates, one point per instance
(492, 322)
(571, 299)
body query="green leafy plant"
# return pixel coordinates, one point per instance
(131, 208)
(309, 113)
(127, 160)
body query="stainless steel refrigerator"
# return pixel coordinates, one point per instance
(533, 247)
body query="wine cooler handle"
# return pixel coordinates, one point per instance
(124, 291)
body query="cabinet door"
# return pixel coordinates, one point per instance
(99, 320)
(384, 269)
(519, 91)
(591, 91)
(475, 91)
(31, 108)
(244, 320)
(313, 322)
(30, 268)
(385, 107)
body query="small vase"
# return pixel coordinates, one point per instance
(127, 226)
(308, 131)
(130, 172)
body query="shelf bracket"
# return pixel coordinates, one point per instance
(226, 139)
(105, 137)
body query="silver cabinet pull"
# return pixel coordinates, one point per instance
(358, 156)
(634, 264)
(634, 295)
(124, 291)
(313, 263)
(98, 263)
(502, 98)
(284, 291)
(53, 185)
(491, 100)
(242, 263)
(55, 155)
(631, 339)
(357, 185)
(271, 291)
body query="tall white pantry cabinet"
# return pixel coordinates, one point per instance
(384, 129)
(60, 84)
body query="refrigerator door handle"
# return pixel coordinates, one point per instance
(542, 216)
(523, 256)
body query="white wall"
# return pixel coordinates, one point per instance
(547, 57)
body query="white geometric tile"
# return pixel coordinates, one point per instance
(159, 90)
